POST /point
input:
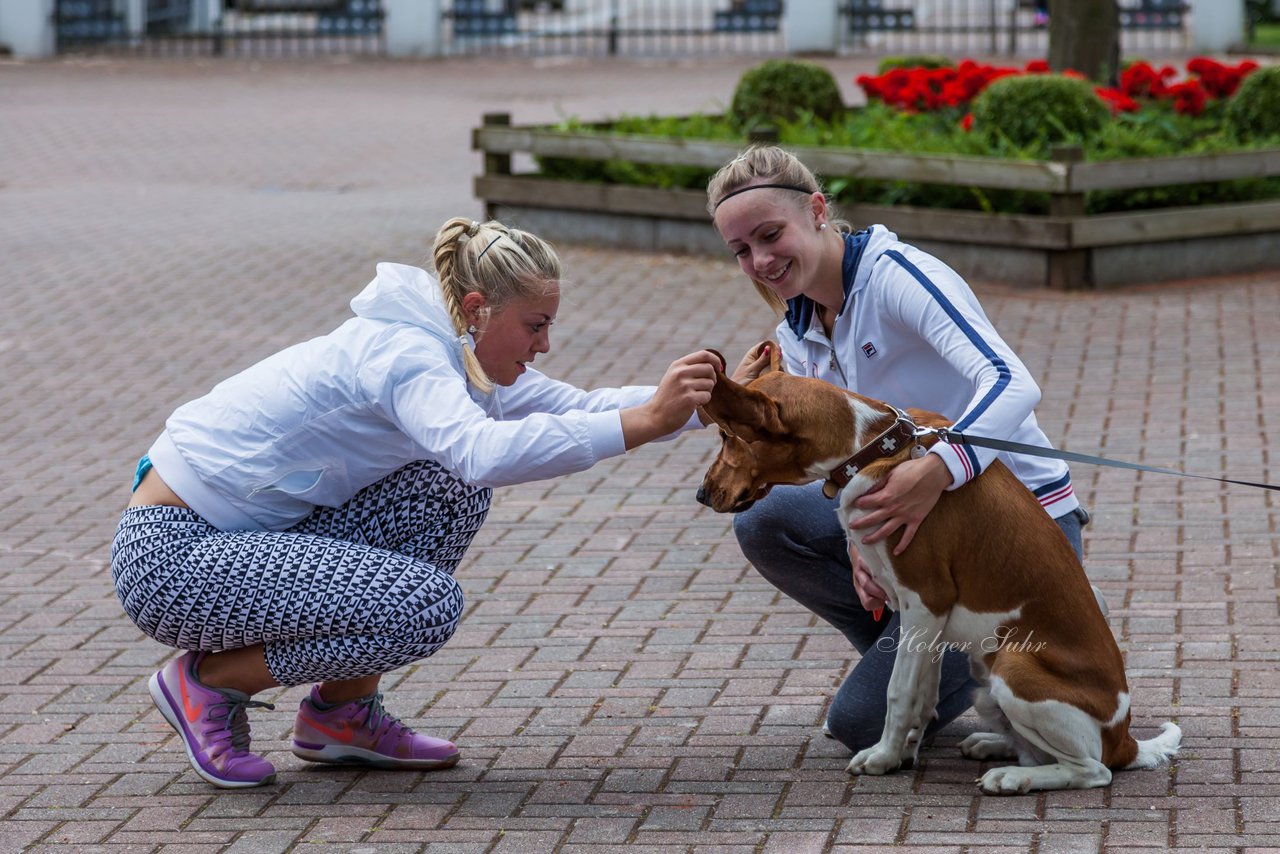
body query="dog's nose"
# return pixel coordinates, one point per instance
(702, 496)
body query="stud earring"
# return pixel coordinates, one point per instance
(471, 330)
(822, 227)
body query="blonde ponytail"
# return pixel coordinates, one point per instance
(499, 263)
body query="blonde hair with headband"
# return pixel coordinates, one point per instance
(768, 167)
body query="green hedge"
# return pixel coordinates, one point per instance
(1154, 132)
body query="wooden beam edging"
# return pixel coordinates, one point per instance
(1051, 176)
(1036, 232)
(1153, 226)
(586, 196)
(955, 170)
(1138, 172)
(1031, 232)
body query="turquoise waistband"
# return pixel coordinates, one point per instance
(144, 466)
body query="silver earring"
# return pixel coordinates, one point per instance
(822, 227)
(471, 330)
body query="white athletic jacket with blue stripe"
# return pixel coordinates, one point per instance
(319, 421)
(911, 333)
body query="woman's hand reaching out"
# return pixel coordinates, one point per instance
(685, 386)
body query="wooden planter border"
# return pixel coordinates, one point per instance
(1067, 235)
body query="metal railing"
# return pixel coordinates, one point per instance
(699, 27)
(522, 28)
(261, 28)
(613, 27)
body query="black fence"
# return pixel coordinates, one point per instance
(691, 27)
(613, 27)
(995, 27)
(262, 28)
(592, 27)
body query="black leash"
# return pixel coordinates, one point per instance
(1037, 451)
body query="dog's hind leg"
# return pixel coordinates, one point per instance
(1060, 730)
(1018, 780)
(998, 741)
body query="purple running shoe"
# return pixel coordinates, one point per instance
(361, 732)
(212, 723)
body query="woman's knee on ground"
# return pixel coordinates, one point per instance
(855, 725)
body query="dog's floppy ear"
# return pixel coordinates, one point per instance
(744, 412)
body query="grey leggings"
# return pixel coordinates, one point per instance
(349, 591)
(794, 539)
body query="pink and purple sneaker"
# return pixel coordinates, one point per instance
(361, 732)
(212, 723)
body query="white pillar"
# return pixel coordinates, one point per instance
(205, 14)
(135, 17)
(412, 27)
(810, 26)
(1215, 25)
(26, 27)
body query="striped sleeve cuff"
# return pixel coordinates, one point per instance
(960, 461)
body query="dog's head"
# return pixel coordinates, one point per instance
(777, 429)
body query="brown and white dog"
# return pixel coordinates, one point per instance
(988, 573)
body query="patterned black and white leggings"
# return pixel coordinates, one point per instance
(347, 592)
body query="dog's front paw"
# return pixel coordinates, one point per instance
(1006, 780)
(875, 760)
(988, 745)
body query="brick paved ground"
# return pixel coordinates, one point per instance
(622, 677)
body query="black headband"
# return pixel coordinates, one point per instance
(727, 196)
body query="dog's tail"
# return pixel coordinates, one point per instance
(1155, 752)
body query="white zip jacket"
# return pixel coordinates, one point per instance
(911, 333)
(315, 423)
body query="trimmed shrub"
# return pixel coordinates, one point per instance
(1039, 110)
(923, 60)
(782, 90)
(1254, 110)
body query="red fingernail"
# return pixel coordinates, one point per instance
(876, 614)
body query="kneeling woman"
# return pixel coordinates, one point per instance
(301, 522)
(869, 313)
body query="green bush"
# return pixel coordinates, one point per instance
(1254, 110)
(1039, 110)
(1157, 131)
(784, 90)
(923, 60)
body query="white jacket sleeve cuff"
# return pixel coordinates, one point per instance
(605, 432)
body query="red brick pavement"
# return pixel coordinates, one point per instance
(622, 677)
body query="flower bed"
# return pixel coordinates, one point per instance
(1134, 201)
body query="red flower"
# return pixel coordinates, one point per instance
(924, 89)
(967, 122)
(1219, 80)
(1118, 101)
(931, 89)
(1188, 97)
